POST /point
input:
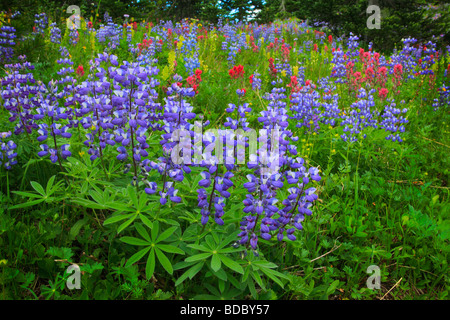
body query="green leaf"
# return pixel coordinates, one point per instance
(233, 265)
(228, 239)
(232, 250)
(142, 201)
(165, 262)
(27, 204)
(155, 230)
(215, 262)
(144, 234)
(163, 236)
(48, 189)
(200, 256)
(96, 196)
(274, 275)
(199, 247)
(36, 186)
(257, 277)
(332, 287)
(135, 241)
(150, 267)
(117, 218)
(210, 242)
(133, 196)
(265, 264)
(191, 272)
(27, 194)
(88, 204)
(170, 249)
(137, 256)
(360, 234)
(77, 227)
(195, 269)
(117, 206)
(146, 221)
(251, 287)
(62, 253)
(126, 224)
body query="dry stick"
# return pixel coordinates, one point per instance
(391, 288)
(418, 183)
(327, 253)
(334, 248)
(303, 271)
(436, 142)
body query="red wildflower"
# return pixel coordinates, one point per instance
(236, 72)
(330, 38)
(383, 93)
(80, 70)
(398, 68)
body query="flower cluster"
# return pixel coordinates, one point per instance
(55, 33)
(236, 72)
(41, 22)
(7, 36)
(8, 152)
(275, 165)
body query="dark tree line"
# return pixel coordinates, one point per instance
(421, 19)
(399, 18)
(208, 10)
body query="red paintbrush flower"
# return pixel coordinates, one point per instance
(236, 72)
(80, 70)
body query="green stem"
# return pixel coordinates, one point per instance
(7, 185)
(211, 197)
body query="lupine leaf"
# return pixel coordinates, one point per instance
(137, 256)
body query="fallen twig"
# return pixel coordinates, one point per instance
(391, 288)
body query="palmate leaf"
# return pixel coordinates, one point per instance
(135, 241)
(170, 249)
(117, 218)
(165, 262)
(124, 225)
(216, 264)
(133, 196)
(163, 236)
(36, 186)
(146, 221)
(197, 257)
(199, 247)
(142, 232)
(156, 250)
(190, 273)
(233, 265)
(27, 204)
(27, 194)
(137, 256)
(88, 203)
(150, 267)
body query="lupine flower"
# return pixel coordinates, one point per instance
(7, 151)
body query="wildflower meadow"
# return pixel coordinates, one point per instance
(183, 159)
